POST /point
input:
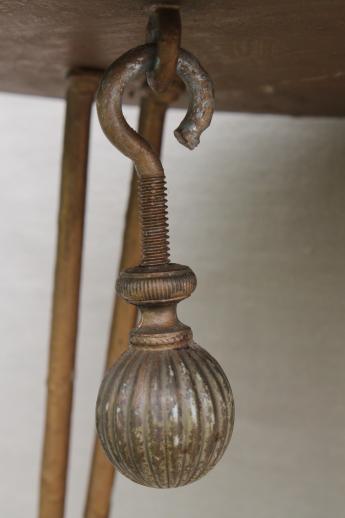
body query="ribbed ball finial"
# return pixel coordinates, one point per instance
(165, 410)
(165, 417)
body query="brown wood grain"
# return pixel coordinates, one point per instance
(267, 56)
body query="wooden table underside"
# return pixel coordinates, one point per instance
(264, 56)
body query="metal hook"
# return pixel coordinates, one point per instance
(109, 105)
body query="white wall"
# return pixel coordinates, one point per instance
(258, 212)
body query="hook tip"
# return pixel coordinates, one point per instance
(187, 137)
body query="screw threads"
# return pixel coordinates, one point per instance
(154, 220)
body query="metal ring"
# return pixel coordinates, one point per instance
(109, 105)
(164, 29)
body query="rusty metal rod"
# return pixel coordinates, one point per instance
(82, 86)
(102, 473)
(164, 29)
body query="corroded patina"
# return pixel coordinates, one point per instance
(165, 410)
(165, 417)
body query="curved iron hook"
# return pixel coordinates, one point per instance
(109, 105)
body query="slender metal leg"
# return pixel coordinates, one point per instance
(64, 323)
(102, 473)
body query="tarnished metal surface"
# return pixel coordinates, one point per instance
(165, 410)
(129, 142)
(154, 220)
(109, 105)
(165, 418)
(164, 29)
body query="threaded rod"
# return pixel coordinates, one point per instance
(154, 221)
